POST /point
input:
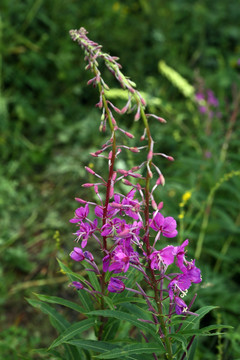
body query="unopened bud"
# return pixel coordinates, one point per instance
(111, 192)
(161, 180)
(170, 158)
(123, 172)
(143, 102)
(131, 90)
(135, 168)
(131, 136)
(81, 200)
(137, 115)
(161, 120)
(126, 182)
(87, 185)
(90, 170)
(134, 149)
(113, 121)
(160, 205)
(135, 175)
(150, 155)
(91, 81)
(150, 174)
(154, 205)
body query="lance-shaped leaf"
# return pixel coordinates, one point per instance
(75, 329)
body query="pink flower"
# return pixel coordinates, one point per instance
(179, 252)
(77, 254)
(116, 224)
(128, 206)
(115, 285)
(77, 285)
(166, 226)
(85, 231)
(80, 214)
(110, 211)
(180, 306)
(162, 258)
(182, 282)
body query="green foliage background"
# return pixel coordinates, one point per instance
(48, 126)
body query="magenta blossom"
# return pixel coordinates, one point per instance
(182, 282)
(129, 206)
(80, 214)
(179, 252)
(166, 226)
(113, 226)
(110, 211)
(115, 285)
(85, 231)
(88, 255)
(120, 258)
(77, 285)
(77, 254)
(162, 258)
(133, 205)
(180, 306)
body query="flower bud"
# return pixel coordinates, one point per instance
(81, 200)
(87, 185)
(90, 170)
(161, 180)
(77, 285)
(160, 205)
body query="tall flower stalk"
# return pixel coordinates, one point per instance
(128, 227)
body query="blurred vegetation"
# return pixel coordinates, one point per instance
(48, 126)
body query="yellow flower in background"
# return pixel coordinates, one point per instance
(186, 196)
(116, 6)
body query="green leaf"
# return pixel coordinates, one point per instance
(60, 301)
(85, 298)
(110, 329)
(135, 349)
(94, 345)
(73, 330)
(132, 299)
(181, 338)
(109, 302)
(192, 321)
(120, 315)
(59, 322)
(47, 309)
(72, 275)
(137, 311)
(47, 352)
(92, 278)
(206, 331)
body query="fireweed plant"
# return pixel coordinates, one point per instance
(135, 298)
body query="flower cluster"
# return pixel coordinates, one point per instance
(124, 228)
(208, 103)
(128, 228)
